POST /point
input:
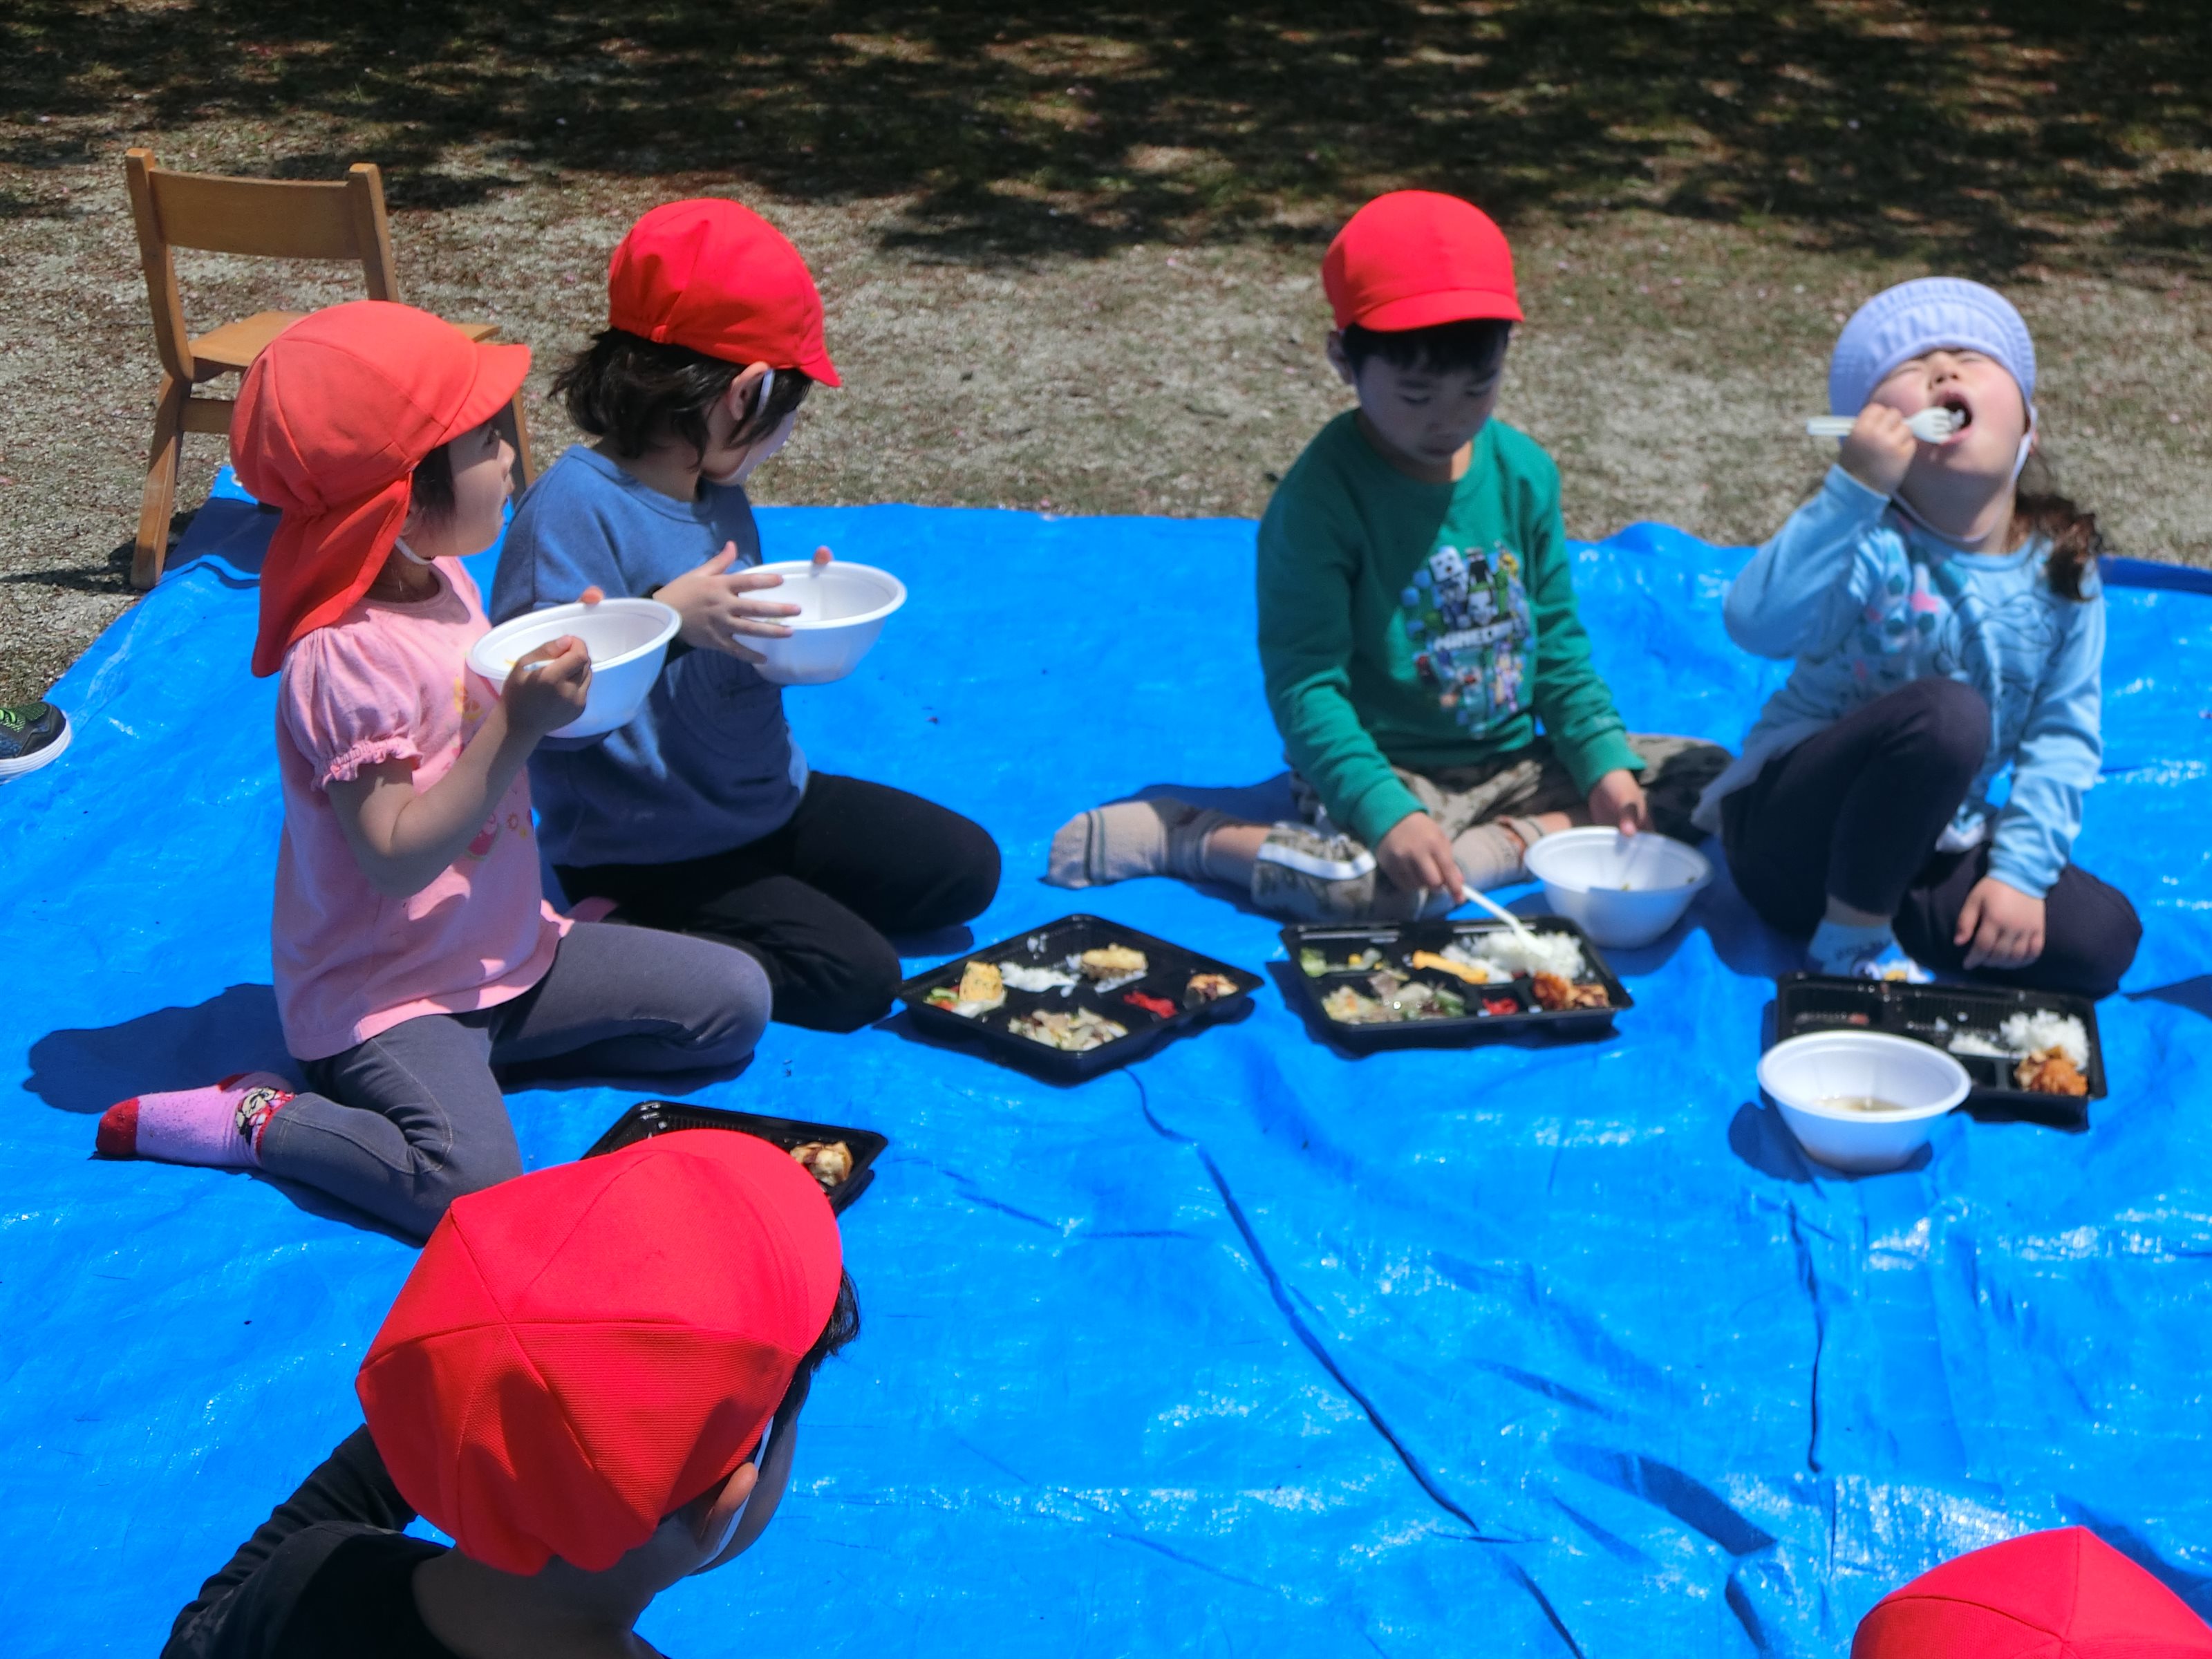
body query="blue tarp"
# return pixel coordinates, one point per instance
(1252, 1349)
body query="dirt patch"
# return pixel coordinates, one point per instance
(1070, 262)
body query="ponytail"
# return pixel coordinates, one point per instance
(2039, 510)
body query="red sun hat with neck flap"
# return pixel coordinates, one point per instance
(334, 417)
(1414, 258)
(2063, 1594)
(717, 277)
(582, 1351)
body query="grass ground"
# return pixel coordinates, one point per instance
(1069, 253)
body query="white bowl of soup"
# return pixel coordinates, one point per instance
(1625, 891)
(627, 639)
(842, 609)
(1860, 1102)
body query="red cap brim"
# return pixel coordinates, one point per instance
(501, 371)
(1463, 305)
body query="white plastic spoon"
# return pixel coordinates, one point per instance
(1930, 426)
(1501, 913)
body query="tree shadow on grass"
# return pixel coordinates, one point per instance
(1989, 138)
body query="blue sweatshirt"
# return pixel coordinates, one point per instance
(708, 764)
(1867, 601)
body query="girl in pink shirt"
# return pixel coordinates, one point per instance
(413, 949)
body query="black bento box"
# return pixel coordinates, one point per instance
(649, 1118)
(1396, 942)
(1168, 972)
(1934, 1014)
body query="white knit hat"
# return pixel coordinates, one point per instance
(1902, 322)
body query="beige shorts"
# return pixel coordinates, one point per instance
(1324, 875)
(1531, 781)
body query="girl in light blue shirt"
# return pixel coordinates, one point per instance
(1949, 630)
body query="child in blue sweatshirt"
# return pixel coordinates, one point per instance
(701, 816)
(1947, 626)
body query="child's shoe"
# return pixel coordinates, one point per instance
(32, 734)
(1310, 875)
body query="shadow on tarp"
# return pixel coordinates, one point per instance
(88, 1070)
(2194, 994)
(229, 538)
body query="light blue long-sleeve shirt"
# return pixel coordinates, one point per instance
(1867, 601)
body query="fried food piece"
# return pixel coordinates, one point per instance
(1473, 973)
(1348, 1007)
(1112, 962)
(1555, 994)
(829, 1162)
(2050, 1071)
(1208, 987)
(1075, 1033)
(980, 989)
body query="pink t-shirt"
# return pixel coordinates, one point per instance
(390, 682)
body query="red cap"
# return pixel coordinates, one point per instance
(2063, 1594)
(335, 416)
(719, 278)
(1414, 258)
(582, 1351)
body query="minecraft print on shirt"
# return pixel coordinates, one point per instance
(1466, 615)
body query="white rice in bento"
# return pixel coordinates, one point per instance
(2029, 1033)
(1516, 953)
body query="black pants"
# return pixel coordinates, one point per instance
(1855, 812)
(813, 901)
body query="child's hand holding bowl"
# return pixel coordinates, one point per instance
(717, 608)
(548, 688)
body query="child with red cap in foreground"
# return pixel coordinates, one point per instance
(1417, 622)
(591, 1382)
(701, 816)
(2063, 1594)
(412, 946)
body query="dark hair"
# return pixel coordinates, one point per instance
(431, 489)
(2038, 509)
(1475, 347)
(638, 392)
(844, 1325)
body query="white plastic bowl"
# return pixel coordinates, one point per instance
(627, 639)
(1583, 871)
(842, 609)
(1920, 1082)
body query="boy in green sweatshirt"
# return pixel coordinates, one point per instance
(1417, 622)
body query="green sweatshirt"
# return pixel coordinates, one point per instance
(1427, 625)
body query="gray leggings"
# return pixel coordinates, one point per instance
(404, 1123)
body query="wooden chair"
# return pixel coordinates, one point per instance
(269, 218)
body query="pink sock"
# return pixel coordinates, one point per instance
(220, 1126)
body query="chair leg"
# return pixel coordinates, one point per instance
(514, 427)
(152, 547)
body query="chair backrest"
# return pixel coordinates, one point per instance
(268, 218)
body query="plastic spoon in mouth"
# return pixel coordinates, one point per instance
(1930, 426)
(1501, 913)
